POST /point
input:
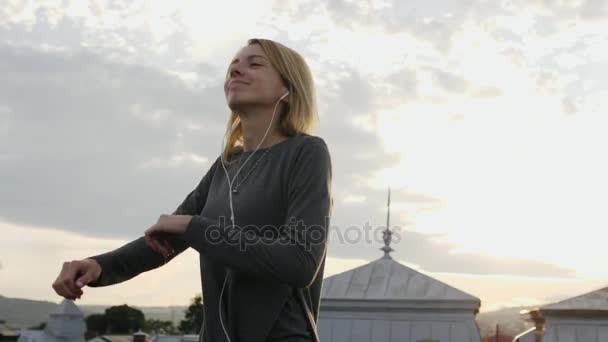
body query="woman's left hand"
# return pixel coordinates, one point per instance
(167, 227)
(169, 224)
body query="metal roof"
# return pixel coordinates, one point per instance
(582, 318)
(67, 308)
(386, 279)
(595, 300)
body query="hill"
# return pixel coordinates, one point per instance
(510, 321)
(25, 313)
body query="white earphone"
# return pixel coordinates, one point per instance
(230, 182)
(284, 95)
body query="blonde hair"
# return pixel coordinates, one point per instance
(300, 111)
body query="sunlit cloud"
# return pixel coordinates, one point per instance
(174, 161)
(354, 199)
(50, 248)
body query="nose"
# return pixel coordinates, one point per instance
(236, 69)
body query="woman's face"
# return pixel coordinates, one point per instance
(252, 80)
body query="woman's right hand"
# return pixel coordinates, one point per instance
(160, 244)
(74, 276)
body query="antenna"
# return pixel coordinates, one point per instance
(387, 233)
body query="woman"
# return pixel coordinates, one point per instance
(258, 218)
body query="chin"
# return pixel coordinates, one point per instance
(238, 103)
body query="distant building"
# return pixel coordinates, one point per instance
(168, 338)
(174, 338)
(112, 338)
(499, 338)
(6, 333)
(65, 324)
(580, 319)
(138, 336)
(386, 301)
(143, 337)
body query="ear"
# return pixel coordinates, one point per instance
(286, 98)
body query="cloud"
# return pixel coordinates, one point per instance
(569, 10)
(99, 118)
(594, 9)
(404, 85)
(54, 247)
(449, 81)
(430, 255)
(487, 92)
(49, 248)
(91, 134)
(78, 128)
(434, 23)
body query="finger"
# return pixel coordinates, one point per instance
(82, 276)
(157, 247)
(154, 229)
(151, 243)
(162, 246)
(168, 247)
(70, 284)
(72, 295)
(62, 288)
(86, 278)
(68, 278)
(64, 292)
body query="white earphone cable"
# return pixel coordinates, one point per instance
(230, 182)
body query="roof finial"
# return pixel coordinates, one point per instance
(386, 234)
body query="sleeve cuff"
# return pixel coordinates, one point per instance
(100, 280)
(194, 235)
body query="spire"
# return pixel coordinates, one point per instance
(387, 233)
(66, 322)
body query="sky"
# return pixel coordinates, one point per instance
(484, 118)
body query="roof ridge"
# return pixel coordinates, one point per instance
(437, 280)
(572, 299)
(391, 274)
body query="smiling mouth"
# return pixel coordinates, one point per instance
(234, 88)
(236, 83)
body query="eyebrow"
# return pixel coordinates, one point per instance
(248, 58)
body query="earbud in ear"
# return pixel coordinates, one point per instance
(284, 95)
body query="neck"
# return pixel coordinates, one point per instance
(255, 123)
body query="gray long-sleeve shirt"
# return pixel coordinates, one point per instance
(282, 213)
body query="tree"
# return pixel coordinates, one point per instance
(96, 324)
(124, 319)
(194, 316)
(158, 327)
